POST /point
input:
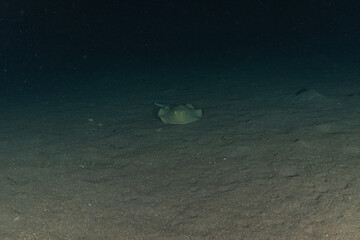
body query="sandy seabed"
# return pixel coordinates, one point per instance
(257, 166)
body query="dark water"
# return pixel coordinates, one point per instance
(72, 46)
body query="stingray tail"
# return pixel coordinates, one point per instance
(160, 105)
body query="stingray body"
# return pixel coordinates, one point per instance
(181, 114)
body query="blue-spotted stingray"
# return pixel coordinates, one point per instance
(180, 114)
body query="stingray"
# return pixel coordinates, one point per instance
(307, 95)
(180, 114)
